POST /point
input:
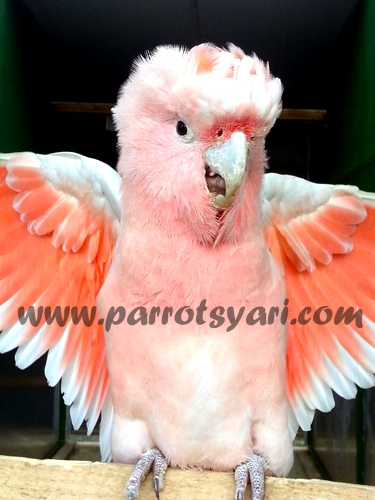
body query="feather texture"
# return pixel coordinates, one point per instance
(320, 235)
(59, 217)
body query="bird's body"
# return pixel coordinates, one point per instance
(192, 256)
(193, 390)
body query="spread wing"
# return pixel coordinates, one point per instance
(59, 218)
(323, 237)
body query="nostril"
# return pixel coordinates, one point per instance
(220, 132)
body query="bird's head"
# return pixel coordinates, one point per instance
(191, 128)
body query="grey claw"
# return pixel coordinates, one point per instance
(156, 487)
(241, 476)
(254, 468)
(142, 468)
(257, 466)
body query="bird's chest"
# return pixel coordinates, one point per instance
(191, 354)
(176, 310)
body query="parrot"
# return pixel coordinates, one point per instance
(200, 307)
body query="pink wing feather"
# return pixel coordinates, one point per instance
(59, 217)
(324, 238)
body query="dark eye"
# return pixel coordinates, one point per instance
(184, 131)
(181, 128)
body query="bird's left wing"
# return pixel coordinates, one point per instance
(323, 237)
(59, 218)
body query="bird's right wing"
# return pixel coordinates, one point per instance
(59, 218)
(323, 237)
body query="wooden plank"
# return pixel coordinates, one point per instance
(105, 108)
(82, 107)
(303, 114)
(22, 478)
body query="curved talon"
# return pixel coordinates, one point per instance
(159, 469)
(142, 468)
(156, 487)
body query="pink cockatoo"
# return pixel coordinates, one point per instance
(223, 294)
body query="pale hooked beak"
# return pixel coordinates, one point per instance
(226, 167)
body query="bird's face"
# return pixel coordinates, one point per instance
(189, 125)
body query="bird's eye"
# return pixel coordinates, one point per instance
(181, 128)
(184, 131)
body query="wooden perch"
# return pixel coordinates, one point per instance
(66, 480)
(105, 108)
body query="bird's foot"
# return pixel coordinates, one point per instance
(254, 470)
(153, 458)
